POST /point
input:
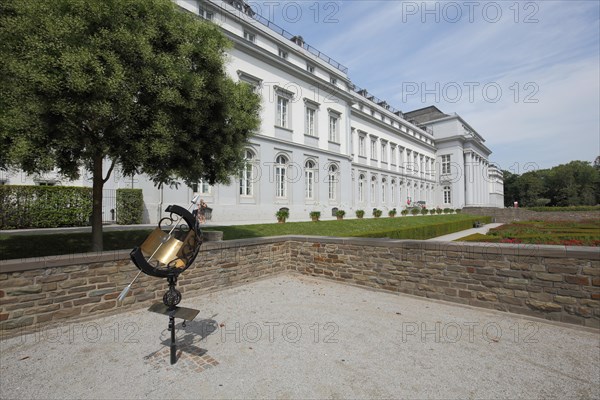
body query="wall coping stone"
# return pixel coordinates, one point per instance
(554, 251)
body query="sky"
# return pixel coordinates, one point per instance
(525, 75)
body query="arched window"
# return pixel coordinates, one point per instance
(280, 177)
(332, 179)
(383, 189)
(373, 188)
(246, 175)
(361, 188)
(309, 179)
(393, 192)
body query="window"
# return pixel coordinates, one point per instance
(310, 68)
(333, 80)
(373, 188)
(251, 80)
(205, 14)
(249, 36)
(332, 178)
(383, 189)
(246, 175)
(446, 164)
(280, 177)
(283, 54)
(282, 111)
(333, 128)
(361, 188)
(374, 149)
(447, 195)
(201, 188)
(310, 128)
(362, 147)
(383, 151)
(393, 157)
(309, 180)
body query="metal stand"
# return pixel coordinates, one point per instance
(169, 307)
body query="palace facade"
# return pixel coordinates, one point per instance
(324, 143)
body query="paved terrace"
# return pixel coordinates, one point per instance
(291, 336)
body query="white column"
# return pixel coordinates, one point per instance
(468, 168)
(479, 182)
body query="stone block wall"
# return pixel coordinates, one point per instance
(52, 290)
(553, 282)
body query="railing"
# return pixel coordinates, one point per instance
(381, 103)
(277, 29)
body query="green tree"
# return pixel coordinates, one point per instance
(138, 84)
(511, 189)
(573, 184)
(530, 188)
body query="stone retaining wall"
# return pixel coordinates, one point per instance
(506, 215)
(53, 289)
(552, 282)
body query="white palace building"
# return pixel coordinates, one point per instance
(323, 142)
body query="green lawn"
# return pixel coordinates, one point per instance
(584, 233)
(399, 227)
(422, 227)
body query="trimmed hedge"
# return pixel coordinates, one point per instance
(26, 207)
(427, 231)
(564, 209)
(130, 206)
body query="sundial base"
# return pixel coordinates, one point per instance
(187, 314)
(184, 313)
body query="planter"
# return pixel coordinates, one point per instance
(340, 218)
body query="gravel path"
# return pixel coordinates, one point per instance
(298, 337)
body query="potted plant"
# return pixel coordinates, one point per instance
(404, 212)
(340, 214)
(424, 211)
(315, 215)
(360, 214)
(377, 213)
(415, 211)
(392, 213)
(282, 215)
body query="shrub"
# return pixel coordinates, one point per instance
(415, 211)
(447, 210)
(426, 231)
(432, 211)
(377, 213)
(424, 211)
(282, 214)
(404, 212)
(130, 206)
(438, 211)
(26, 207)
(458, 210)
(360, 213)
(392, 213)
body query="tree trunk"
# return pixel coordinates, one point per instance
(98, 184)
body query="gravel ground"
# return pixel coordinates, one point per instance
(298, 337)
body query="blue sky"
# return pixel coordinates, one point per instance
(524, 74)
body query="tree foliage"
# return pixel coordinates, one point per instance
(574, 184)
(139, 83)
